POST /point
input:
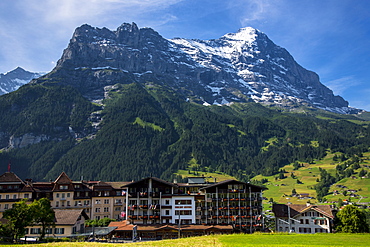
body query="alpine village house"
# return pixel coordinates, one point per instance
(152, 208)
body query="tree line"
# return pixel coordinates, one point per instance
(230, 139)
(23, 215)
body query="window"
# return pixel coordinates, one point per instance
(57, 195)
(26, 195)
(118, 201)
(167, 202)
(86, 203)
(6, 206)
(68, 194)
(59, 231)
(106, 193)
(63, 195)
(132, 202)
(14, 196)
(0, 196)
(307, 221)
(35, 230)
(167, 212)
(97, 201)
(97, 217)
(301, 221)
(68, 203)
(97, 210)
(77, 186)
(117, 209)
(183, 212)
(56, 204)
(106, 201)
(106, 209)
(7, 197)
(184, 202)
(63, 187)
(77, 193)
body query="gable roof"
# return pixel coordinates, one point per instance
(10, 177)
(281, 210)
(63, 179)
(154, 179)
(234, 182)
(68, 216)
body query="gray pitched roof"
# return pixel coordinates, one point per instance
(68, 216)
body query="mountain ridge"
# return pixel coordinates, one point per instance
(238, 67)
(126, 104)
(12, 80)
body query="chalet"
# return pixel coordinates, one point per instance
(67, 223)
(12, 189)
(303, 218)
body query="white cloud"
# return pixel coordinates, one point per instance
(339, 86)
(255, 10)
(39, 30)
(81, 11)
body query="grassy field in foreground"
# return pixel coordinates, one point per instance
(242, 240)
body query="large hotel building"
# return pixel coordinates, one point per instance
(228, 205)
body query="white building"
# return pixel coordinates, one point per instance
(303, 218)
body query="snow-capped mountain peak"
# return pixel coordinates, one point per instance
(12, 80)
(237, 67)
(246, 34)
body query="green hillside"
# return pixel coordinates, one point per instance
(306, 177)
(149, 130)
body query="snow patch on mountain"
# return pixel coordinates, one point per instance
(12, 80)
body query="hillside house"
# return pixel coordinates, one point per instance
(303, 218)
(67, 223)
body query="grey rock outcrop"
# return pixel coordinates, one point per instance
(238, 67)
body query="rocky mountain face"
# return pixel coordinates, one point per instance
(12, 80)
(116, 107)
(238, 67)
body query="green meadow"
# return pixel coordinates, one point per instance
(258, 239)
(305, 178)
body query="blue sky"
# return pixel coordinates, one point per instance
(329, 37)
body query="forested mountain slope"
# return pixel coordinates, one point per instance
(126, 104)
(142, 130)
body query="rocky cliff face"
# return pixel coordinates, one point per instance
(12, 80)
(238, 67)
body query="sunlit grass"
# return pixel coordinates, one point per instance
(258, 239)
